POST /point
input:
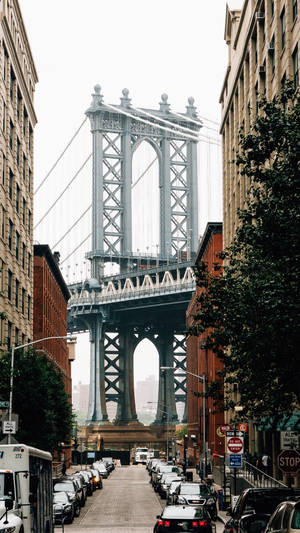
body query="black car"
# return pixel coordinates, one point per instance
(63, 508)
(196, 494)
(87, 475)
(254, 507)
(70, 487)
(176, 518)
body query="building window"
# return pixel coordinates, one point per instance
(11, 134)
(272, 7)
(23, 255)
(17, 333)
(10, 184)
(17, 293)
(18, 151)
(256, 97)
(19, 104)
(283, 25)
(8, 335)
(4, 118)
(28, 307)
(17, 198)
(2, 222)
(30, 138)
(295, 9)
(23, 301)
(1, 274)
(9, 284)
(10, 234)
(17, 245)
(24, 168)
(29, 221)
(296, 67)
(24, 212)
(25, 118)
(12, 84)
(272, 55)
(29, 265)
(29, 180)
(3, 169)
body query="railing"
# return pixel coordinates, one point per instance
(258, 478)
(57, 468)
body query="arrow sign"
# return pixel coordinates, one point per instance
(8, 426)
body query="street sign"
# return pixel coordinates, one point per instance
(288, 440)
(222, 429)
(235, 460)
(9, 426)
(243, 427)
(4, 405)
(289, 461)
(235, 444)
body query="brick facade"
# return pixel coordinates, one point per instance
(202, 361)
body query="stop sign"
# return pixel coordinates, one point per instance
(289, 461)
(235, 445)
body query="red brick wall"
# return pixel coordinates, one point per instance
(202, 361)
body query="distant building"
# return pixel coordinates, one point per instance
(17, 120)
(146, 391)
(201, 361)
(80, 397)
(51, 296)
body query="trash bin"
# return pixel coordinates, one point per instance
(189, 476)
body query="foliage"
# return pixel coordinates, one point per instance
(251, 314)
(181, 431)
(39, 398)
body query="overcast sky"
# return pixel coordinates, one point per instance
(148, 46)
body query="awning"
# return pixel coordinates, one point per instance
(287, 423)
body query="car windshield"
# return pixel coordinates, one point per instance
(64, 486)
(169, 468)
(195, 489)
(60, 497)
(171, 511)
(6, 485)
(264, 502)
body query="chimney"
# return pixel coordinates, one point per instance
(56, 256)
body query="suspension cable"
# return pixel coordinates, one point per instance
(143, 173)
(75, 249)
(73, 226)
(122, 112)
(61, 155)
(65, 189)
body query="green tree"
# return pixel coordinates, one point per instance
(251, 314)
(39, 398)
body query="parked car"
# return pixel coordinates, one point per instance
(87, 475)
(109, 463)
(196, 494)
(176, 518)
(164, 469)
(82, 488)
(63, 508)
(260, 503)
(101, 468)
(286, 518)
(84, 484)
(71, 488)
(97, 479)
(172, 491)
(165, 482)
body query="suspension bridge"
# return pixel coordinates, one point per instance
(124, 217)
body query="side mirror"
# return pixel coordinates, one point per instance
(158, 516)
(9, 504)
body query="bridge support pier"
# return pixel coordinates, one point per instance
(166, 407)
(126, 411)
(97, 413)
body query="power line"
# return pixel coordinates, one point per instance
(63, 192)
(61, 155)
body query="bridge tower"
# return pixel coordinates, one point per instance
(117, 131)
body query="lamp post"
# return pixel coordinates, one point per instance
(202, 378)
(168, 421)
(12, 362)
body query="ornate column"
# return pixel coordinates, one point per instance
(97, 413)
(126, 411)
(166, 393)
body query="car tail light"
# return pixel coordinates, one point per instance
(167, 523)
(194, 524)
(160, 523)
(203, 523)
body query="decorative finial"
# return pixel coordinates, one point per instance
(97, 96)
(125, 101)
(163, 105)
(191, 109)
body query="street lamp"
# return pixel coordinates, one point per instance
(202, 378)
(12, 369)
(168, 420)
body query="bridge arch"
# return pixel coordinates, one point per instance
(146, 379)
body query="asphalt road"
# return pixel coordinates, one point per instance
(126, 504)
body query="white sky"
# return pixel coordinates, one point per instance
(148, 46)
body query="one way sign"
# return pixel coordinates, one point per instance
(9, 426)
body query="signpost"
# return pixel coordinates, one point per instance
(235, 460)
(235, 448)
(288, 440)
(9, 427)
(289, 462)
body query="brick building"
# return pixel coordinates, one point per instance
(17, 120)
(202, 361)
(51, 295)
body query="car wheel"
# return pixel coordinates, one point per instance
(77, 511)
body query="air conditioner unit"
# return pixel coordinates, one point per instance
(260, 15)
(271, 47)
(262, 69)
